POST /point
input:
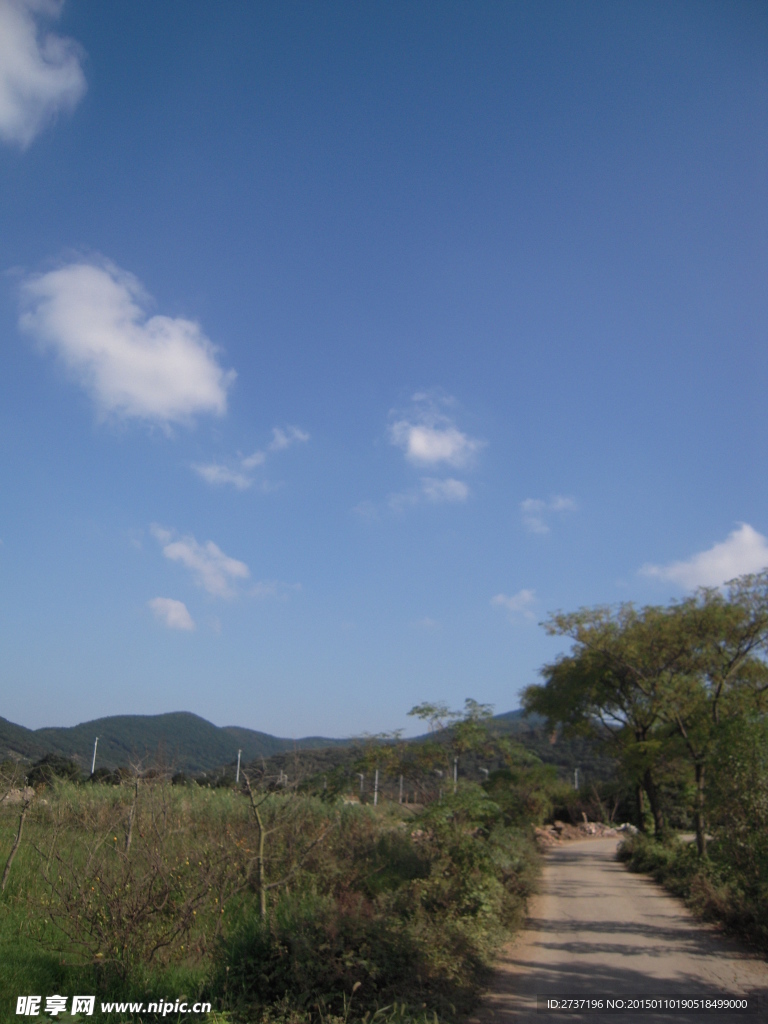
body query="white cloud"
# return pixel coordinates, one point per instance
(517, 604)
(173, 614)
(212, 569)
(40, 74)
(216, 474)
(430, 438)
(438, 490)
(252, 461)
(158, 368)
(237, 474)
(282, 439)
(744, 551)
(535, 511)
(161, 535)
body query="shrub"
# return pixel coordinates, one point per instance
(53, 766)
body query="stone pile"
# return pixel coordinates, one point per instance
(561, 831)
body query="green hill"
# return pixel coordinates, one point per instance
(180, 740)
(19, 743)
(190, 744)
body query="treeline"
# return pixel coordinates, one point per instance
(425, 764)
(679, 695)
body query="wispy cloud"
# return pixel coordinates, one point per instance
(158, 368)
(210, 567)
(429, 437)
(432, 490)
(536, 512)
(743, 551)
(275, 589)
(284, 438)
(40, 72)
(518, 604)
(217, 474)
(238, 472)
(254, 460)
(173, 614)
(449, 490)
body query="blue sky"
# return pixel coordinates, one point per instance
(341, 343)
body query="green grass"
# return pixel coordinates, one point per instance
(372, 914)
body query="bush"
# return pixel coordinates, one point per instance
(738, 804)
(414, 916)
(53, 766)
(315, 950)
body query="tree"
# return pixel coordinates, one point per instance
(724, 675)
(53, 766)
(452, 733)
(613, 686)
(659, 683)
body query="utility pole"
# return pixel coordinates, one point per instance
(93, 762)
(455, 775)
(576, 779)
(401, 790)
(362, 779)
(376, 788)
(237, 776)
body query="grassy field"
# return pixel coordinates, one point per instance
(272, 907)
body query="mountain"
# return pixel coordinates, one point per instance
(180, 739)
(517, 722)
(19, 743)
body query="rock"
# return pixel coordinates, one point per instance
(17, 796)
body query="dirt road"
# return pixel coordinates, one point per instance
(598, 931)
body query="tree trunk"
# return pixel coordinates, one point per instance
(701, 829)
(131, 816)
(649, 784)
(15, 847)
(262, 882)
(640, 797)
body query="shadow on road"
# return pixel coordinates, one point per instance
(598, 932)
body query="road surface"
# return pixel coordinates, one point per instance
(597, 931)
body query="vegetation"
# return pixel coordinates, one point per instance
(729, 884)
(198, 749)
(275, 900)
(679, 695)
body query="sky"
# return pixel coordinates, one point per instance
(341, 344)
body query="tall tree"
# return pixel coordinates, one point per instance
(613, 686)
(724, 675)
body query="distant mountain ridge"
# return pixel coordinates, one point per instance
(183, 740)
(180, 739)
